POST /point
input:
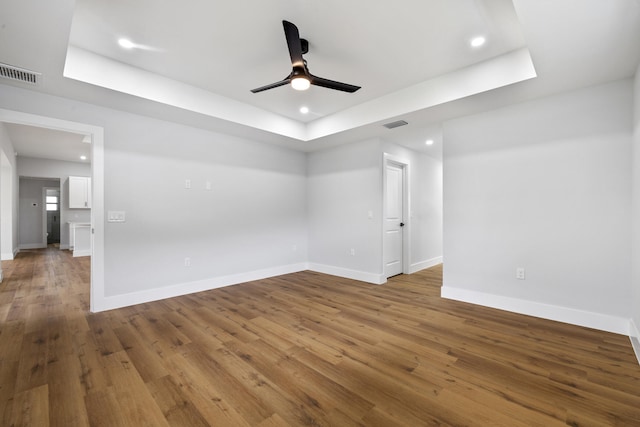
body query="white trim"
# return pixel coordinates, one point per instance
(124, 300)
(423, 265)
(634, 336)
(589, 319)
(45, 215)
(33, 246)
(9, 256)
(363, 276)
(97, 218)
(406, 209)
(86, 252)
(9, 198)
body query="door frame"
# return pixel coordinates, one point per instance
(96, 133)
(403, 163)
(8, 211)
(45, 214)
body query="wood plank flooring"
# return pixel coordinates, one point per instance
(304, 349)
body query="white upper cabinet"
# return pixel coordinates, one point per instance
(79, 192)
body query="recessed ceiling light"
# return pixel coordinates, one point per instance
(478, 41)
(304, 110)
(83, 157)
(429, 142)
(126, 43)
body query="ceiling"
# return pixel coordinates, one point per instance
(197, 60)
(228, 48)
(38, 142)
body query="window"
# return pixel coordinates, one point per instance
(52, 203)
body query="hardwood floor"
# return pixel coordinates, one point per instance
(301, 349)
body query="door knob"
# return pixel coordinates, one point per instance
(402, 224)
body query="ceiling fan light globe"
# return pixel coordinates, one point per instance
(300, 83)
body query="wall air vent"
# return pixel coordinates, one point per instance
(395, 124)
(18, 74)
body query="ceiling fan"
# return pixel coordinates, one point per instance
(300, 77)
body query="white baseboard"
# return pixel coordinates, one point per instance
(82, 253)
(423, 265)
(102, 303)
(603, 322)
(33, 246)
(634, 336)
(363, 276)
(9, 256)
(64, 247)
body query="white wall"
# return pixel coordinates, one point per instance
(269, 211)
(46, 168)
(253, 218)
(8, 197)
(635, 200)
(6, 207)
(543, 185)
(344, 185)
(245, 227)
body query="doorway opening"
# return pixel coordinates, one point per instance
(96, 136)
(52, 213)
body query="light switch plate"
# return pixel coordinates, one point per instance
(116, 216)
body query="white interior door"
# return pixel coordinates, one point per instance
(393, 220)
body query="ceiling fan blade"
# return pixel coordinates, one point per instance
(297, 47)
(332, 84)
(293, 42)
(272, 85)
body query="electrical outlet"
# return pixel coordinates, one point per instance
(520, 273)
(187, 183)
(352, 252)
(207, 185)
(294, 248)
(187, 262)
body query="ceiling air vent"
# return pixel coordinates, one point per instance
(396, 124)
(18, 74)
